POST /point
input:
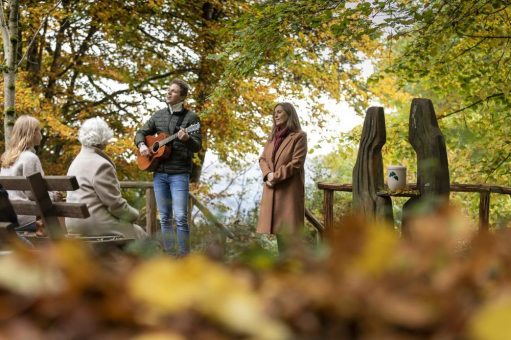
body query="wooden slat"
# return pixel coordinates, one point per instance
(455, 187)
(53, 183)
(328, 209)
(335, 186)
(150, 211)
(210, 217)
(408, 193)
(136, 185)
(77, 210)
(48, 215)
(480, 188)
(315, 222)
(484, 210)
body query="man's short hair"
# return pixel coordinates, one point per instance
(183, 86)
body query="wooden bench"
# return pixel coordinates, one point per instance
(50, 212)
(42, 205)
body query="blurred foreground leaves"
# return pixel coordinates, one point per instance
(442, 281)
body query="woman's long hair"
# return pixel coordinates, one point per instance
(22, 138)
(292, 124)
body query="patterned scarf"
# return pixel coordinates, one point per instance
(278, 138)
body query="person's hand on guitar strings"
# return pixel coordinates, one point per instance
(144, 150)
(183, 135)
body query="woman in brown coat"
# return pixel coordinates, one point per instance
(282, 161)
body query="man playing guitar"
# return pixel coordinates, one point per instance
(172, 175)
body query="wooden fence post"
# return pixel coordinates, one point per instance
(189, 212)
(150, 211)
(368, 170)
(429, 144)
(484, 210)
(56, 230)
(328, 208)
(432, 166)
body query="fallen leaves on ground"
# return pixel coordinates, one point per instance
(443, 280)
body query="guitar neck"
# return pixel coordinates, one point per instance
(168, 139)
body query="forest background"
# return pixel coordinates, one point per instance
(78, 59)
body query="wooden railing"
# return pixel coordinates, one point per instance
(151, 225)
(483, 190)
(320, 228)
(150, 205)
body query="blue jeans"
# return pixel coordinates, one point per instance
(171, 192)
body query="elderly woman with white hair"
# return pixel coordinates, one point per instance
(99, 187)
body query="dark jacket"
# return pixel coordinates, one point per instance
(180, 160)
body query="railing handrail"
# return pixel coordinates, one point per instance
(315, 222)
(210, 217)
(455, 187)
(484, 191)
(208, 214)
(137, 184)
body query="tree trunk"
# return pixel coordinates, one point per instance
(206, 81)
(10, 43)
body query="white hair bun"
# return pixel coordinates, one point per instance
(95, 132)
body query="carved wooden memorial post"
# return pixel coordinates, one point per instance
(368, 170)
(432, 166)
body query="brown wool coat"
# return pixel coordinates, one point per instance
(282, 208)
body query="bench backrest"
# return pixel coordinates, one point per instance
(42, 205)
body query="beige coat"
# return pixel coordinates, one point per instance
(101, 191)
(282, 208)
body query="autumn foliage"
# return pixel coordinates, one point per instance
(442, 281)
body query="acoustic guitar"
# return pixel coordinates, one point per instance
(158, 144)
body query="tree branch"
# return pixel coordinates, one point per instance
(465, 51)
(496, 167)
(471, 105)
(484, 36)
(110, 96)
(36, 32)
(84, 46)
(129, 89)
(100, 89)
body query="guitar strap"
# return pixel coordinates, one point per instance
(184, 121)
(181, 121)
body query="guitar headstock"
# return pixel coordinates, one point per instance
(193, 128)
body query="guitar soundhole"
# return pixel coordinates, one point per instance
(156, 146)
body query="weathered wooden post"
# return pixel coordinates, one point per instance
(484, 210)
(151, 224)
(432, 166)
(328, 208)
(429, 144)
(368, 170)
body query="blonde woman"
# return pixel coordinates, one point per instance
(20, 159)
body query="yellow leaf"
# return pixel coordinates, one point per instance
(159, 336)
(167, 286)
(492, 321)
(28, 276)
(377, 254)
